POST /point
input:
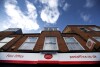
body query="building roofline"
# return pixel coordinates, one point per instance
(79, 26)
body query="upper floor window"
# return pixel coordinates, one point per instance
(5, 41)
(84, 29)
(28, 44)
(51, 29)
(12, 29)
(95, 28)
(73, 44)
(97, 38)
(50, 43)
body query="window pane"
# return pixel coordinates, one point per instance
(7, 39)
(50, 47)
(97, 38)
(72, 44)
(27, 46)
(50, 40)
(69, 39)
(31, 39)
(51, 29)
(84, 29)
(95, 29)
(50, 43)
(2, 44)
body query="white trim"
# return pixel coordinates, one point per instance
(31, 37)
(34, 43)
(75, 41)
(84, 28)
(96, 38)
(79, 43)
(55, 45)
(5, 40)
(95, 28)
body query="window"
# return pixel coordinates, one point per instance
(28, 44)
(51, 29)
(5, 41)
(50, 43)
(84, 29)
(12, 29)
(95, 29)
(97, 38)
(72, 44)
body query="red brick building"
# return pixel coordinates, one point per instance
(51, 45)
(86, 32)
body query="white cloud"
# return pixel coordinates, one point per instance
(17, 17)
(50, 12)
(32, 13)
(89, 3)
(50, 3)
(85, 17)
(50, 15)
(66, 5)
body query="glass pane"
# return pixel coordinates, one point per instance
(84, 29)
(50, 47)
(95, 29)
(50, 29)
(2, 44)
(97, 38)
(50, 40)
(31, 39)
(29, 43)
(12, 29)
(69, 39)
(72, 44)
(50, 43)
(27, 46)
(7, 39)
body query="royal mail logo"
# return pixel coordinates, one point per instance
(90, 43)
(48, 56)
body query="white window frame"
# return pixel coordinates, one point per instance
(84, 28)
(51, 29)
(4, 41)
(26, 44)
(96, 38)
(76, 42)
(95, 28)
(56, 44)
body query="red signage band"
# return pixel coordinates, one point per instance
(58, 58)
(49, 62)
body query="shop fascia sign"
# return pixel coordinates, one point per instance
(60, 58)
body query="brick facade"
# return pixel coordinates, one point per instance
(70, 31)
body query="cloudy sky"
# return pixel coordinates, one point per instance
(33, 15)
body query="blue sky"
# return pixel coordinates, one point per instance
(33, 15)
